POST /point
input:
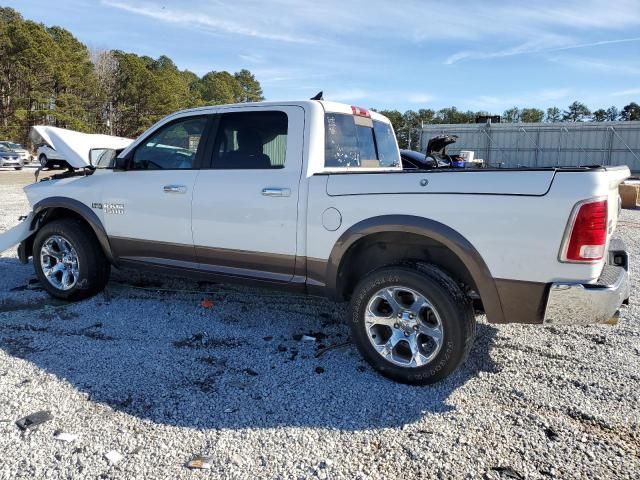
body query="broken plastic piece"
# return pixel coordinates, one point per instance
(65, 437)
(307, 338)
(33, 420)
(113, 457)
(200, 462)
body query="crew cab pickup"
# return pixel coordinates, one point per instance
(312, 196)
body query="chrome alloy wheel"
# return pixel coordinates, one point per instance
(403, 326)
(59, 261)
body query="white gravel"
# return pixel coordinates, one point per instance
(157, 378)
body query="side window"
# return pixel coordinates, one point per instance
(172, 147)
(251, 140)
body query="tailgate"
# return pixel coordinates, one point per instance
(615, 175)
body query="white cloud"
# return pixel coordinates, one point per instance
(627, 93)
(550, 44)
(348, 95)
(215, 24)
(610, 67)
(420, 98)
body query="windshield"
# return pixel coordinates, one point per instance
(359, 142)
(4, 149)
(11, 145)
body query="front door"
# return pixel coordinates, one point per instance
(245, 205)
(147, 207)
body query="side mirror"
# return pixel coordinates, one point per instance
(120, 163)
(102, 157)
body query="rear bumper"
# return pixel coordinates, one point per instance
(577, 303)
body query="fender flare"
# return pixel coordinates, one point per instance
(425, 227)
(83, 211)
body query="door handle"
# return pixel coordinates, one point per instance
(174, 189)
(276, 192)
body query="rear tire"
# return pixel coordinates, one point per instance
(68, 260)
(425, 330)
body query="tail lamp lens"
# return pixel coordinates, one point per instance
(588, 235)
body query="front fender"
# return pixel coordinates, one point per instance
(40, 209)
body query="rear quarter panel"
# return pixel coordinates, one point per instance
(518, 236)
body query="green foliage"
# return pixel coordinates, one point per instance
(49, 77)
(531, 115)
(612, 114)
(599, 115)
(576, 112)
(553, 115)
(631, 112)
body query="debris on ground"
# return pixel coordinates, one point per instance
(508, 472)
(33, 420)
(113, 457)
(65, 436)
(201, 463)
(207, 303)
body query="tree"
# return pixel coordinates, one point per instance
(217, 88)
(249, 88)
(49, 77)
(630, 112)
(576, 112)
(553, 115)
(512, 115)
(531, 115)
(599, 115)
(453, 115)
(612, 114)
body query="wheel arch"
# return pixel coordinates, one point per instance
(409, 231)
(53, 208)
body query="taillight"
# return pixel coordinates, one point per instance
(587, 235)
(361, 112)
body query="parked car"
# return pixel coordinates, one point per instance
(48, 157)
(412, 160)
(10, 158)
(22, 152)
(312, 196)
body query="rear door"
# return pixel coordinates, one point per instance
(147, 208)
(245, 204)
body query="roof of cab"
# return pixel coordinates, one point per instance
(328, 106)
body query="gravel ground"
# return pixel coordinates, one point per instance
(152, 374)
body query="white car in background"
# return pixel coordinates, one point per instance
(48, 156)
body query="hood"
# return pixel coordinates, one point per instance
(438, 143)
(74, 146)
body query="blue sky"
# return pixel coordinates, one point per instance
(408, 54)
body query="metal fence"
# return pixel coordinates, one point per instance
(545, 144)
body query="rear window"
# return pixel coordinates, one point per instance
(358, 142)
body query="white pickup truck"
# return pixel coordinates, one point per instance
(312, 196)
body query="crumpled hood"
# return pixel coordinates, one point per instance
(74, 146)
(438, 143)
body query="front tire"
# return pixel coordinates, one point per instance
(69, 261)
(413, 324)
(43, 160)
(17, 168)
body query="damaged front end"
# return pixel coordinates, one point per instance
(17, 235)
